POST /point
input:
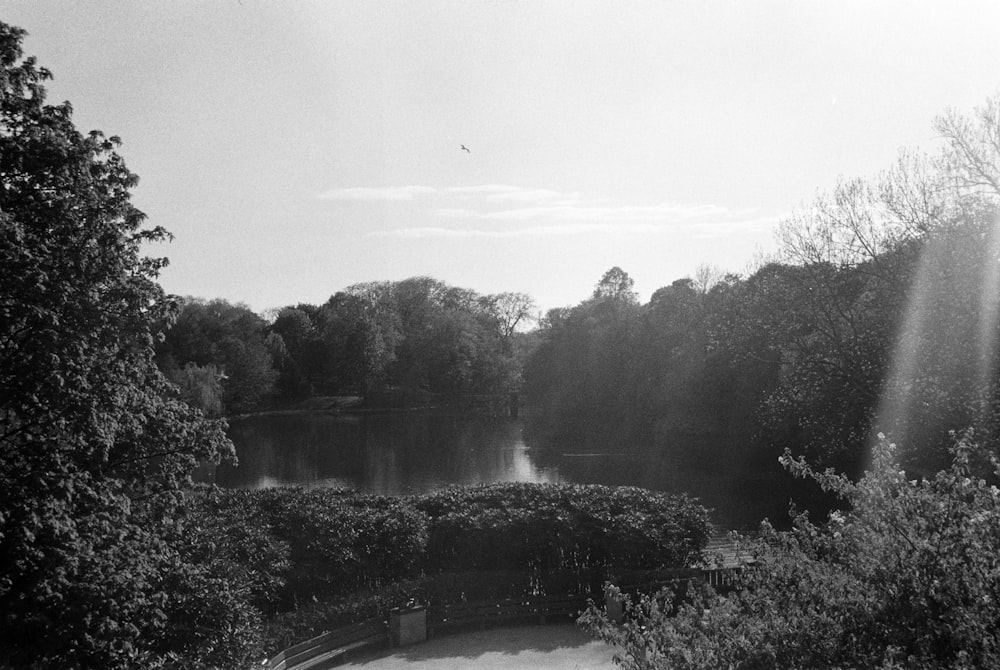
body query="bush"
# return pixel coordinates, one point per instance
(909, 577)
(312, 560)
(231, 532)
(338, 541)
(552, 528)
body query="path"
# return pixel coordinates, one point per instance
(562, 647)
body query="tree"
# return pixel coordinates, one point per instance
(295, 327)
(351, 347)
(616, 285)
(95, 445)
(579, 377)
(706, 276)
(231, 338)
(886, 276)
(973, 147)
(508, 310)
(200, 387)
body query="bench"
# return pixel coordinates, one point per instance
(483, 613)
(722, 561)
(330, 649)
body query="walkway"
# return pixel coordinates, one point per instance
(561, 647)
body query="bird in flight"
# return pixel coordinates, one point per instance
(465, 149)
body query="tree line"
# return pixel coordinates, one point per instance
(377, 340)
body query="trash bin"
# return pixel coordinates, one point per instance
(407, 625)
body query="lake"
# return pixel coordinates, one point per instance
(396, 453)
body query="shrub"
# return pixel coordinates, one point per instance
(550, 528)
(909, 577)
(341, 542)
(312, 560)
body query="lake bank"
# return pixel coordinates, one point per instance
(503, 404)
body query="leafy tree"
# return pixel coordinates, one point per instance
(674, 395)
(578, 380)
(248, 370)
(418, 335)
(360, 333)
(94, 443)
(616, 285)
(230, 337)
(201, 387)
(944, 371)
(297, 373)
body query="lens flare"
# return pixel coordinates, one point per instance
(990, 309)
(943, 370)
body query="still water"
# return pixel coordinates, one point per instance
(414, 452)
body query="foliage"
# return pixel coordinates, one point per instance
(287, 550)
(552, 528)
(200, 387)
(616, 285)
(337, 557)
(318, 616)
(340, 543)
(378, 340)
(578, 378)
(663, 377)
(907, 577)
(94, 444)
(231, 532)
(284, 546)
(229, 338)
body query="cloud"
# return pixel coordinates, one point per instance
(583, 212)
(534, 231)
(701, 229)
(505, 211)
(503, 193)
(482, 192)
(369, 193)
(718, 228)
(455, 213)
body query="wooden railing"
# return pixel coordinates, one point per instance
(484, 613)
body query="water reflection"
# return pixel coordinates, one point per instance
(415, 452)
(740, 498)
(388, 454)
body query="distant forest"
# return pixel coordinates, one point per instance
(732, 371)
(388, 342)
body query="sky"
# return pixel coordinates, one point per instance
(296, 148)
